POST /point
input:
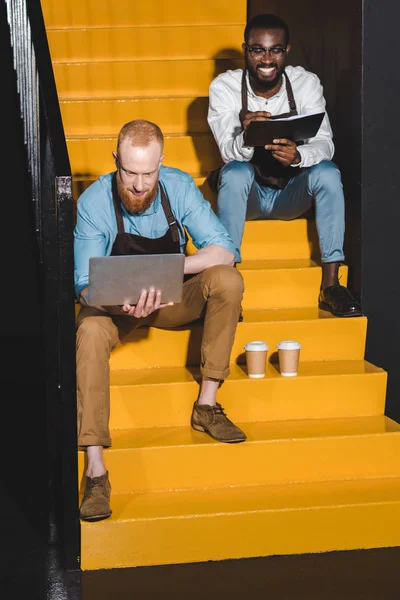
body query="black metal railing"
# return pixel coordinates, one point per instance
(52, 202)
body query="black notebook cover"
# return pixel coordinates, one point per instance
(298, 128)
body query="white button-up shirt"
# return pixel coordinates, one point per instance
(225, 103)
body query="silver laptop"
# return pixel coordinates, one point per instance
(117, 280)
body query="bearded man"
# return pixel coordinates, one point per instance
(281, 180)
(144, 208)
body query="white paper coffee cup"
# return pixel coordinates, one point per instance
(289, 354)
(256, 358)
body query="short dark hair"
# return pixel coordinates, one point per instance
(265, 21)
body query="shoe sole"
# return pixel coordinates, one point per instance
(204, 430)
(95, 518)
(326, 307)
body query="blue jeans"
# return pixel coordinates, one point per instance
(241, 198)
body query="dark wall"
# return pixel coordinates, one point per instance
(326, 39)
(381, 191)
(24, 478)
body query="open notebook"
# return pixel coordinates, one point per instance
(296, 128)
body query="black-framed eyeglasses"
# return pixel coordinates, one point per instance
(260, 51)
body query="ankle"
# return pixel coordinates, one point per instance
(96, 471)
(330, 275)
(326, 284)
(95, 461)
(205, 400)
(208, 391)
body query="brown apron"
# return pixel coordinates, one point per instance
(269, 172)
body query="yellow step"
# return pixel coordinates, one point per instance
(270, 244)
(166, 458)
(329, 389)
(322, 338)
(193, 154)
(282, 283)
(133, 43)
(131, 79)
(107, 13)
(193, 526)
(273, 240)
(280, 240)
(105, 117)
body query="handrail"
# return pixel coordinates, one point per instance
(52, 201)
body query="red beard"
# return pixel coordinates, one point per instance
(134, 204)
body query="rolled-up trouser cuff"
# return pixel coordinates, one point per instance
(214, 374)
(90, 440)
(333, 259)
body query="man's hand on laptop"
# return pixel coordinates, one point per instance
(149, 301)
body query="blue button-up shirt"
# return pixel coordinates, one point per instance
(96, 224)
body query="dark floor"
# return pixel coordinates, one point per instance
(363, 574)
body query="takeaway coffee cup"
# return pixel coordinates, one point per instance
(288, 352)
(256, 358)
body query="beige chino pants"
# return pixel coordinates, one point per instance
(215, 295)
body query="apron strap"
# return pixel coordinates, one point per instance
(291, 100)
(169, 215)
(117, 204)
(244, 92)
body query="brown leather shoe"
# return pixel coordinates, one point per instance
(96, 499)
(213, 420)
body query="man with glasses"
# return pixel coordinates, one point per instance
(282, 179)
(144, 207)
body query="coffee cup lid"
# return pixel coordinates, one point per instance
(289, 345)
(256, 345)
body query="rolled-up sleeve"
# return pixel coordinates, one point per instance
(224, 122)
(89, 241)
(202, 224)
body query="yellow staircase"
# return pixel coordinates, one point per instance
(320, 469)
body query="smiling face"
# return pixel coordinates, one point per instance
(137, 176)
(265, 70)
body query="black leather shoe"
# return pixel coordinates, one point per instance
(339, 301)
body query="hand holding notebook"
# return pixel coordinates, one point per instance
(296, 128)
